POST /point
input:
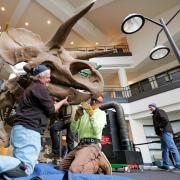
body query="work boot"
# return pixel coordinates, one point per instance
(104, 164)
(18, 171)
(1, 177)
(164, 167)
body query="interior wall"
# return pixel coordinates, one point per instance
(139, 137)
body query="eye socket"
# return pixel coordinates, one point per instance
(80, 68)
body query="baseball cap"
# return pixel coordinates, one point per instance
(39, 69)
(152, 105)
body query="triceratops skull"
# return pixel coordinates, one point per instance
(21, 45)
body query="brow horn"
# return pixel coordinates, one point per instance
(62, 33)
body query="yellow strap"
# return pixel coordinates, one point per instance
(6, 27)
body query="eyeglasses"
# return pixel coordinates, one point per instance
(97, 101)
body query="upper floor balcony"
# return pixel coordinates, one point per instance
(118, 50)
(150, 86)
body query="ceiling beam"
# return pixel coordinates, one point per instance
(19, 11)
(64, 10)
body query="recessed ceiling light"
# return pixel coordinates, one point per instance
(48, 22)
(3, 8)
(97, 43)
(71, 42)
(26, 24)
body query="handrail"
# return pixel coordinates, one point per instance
(123, 48)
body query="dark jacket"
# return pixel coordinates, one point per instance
(161, 120)
(35, 107)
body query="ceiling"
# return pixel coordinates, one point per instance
(104, 19)
(101, 24)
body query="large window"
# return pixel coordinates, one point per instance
(162, 79)
(174, 74)
(176, 126)
(152, 81)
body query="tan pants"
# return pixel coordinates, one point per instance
(82, 159)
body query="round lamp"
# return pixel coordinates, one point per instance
(132, 23)
(159, 52)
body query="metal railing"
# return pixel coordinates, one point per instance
(121, 49)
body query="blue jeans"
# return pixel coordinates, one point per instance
(26, 148)
(168, 145)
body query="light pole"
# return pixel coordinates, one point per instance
(134, 22)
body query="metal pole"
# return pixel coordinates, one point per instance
(166, 25)
(171, 40)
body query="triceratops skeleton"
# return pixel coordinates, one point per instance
(21, 45)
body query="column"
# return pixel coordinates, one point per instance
(124, 82)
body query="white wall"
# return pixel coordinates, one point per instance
(139, 137)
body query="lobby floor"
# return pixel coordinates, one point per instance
(151, 175)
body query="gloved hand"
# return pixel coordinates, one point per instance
(87, 107)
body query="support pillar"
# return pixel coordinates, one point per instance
(124, 82)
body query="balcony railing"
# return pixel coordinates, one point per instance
(119, 50)
(156, 84)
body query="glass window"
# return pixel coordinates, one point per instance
(118, 94)
(176, 126)
(149, 131)
(135, 89)
(153, 82)
(146, 86)
(174, 74)
(162, 79)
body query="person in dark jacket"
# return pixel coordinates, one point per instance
(32, 114)
(60, 125)
(164, 130)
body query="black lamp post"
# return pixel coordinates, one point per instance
(134, 22)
